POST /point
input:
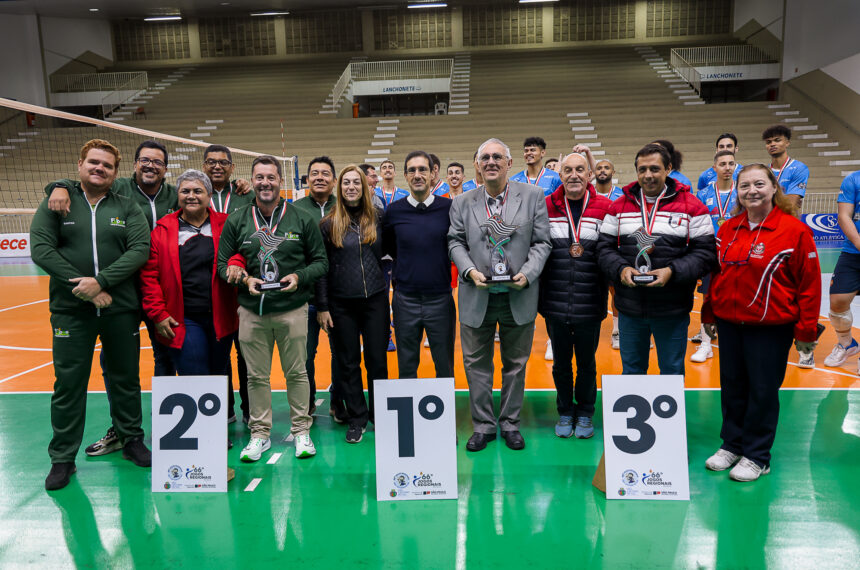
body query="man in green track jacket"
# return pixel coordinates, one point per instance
(278, 243)
(92, 255)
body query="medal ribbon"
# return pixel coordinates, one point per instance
(385, 196)
(720, 208)
(575, 228)
(272, 224)
(224, 204)
(537, 180)
(438, 184)
(648, 218)
(788, 161)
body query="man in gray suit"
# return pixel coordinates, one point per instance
(481, 222)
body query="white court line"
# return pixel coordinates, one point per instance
(252, 485)
(3, 346)
(319, 402)
(274, 458)
(24, 305)
(26, 372)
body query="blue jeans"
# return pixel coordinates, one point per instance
(202, 354)
(670, 337)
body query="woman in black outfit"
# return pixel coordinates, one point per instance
(352, 298)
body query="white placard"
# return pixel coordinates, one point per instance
(416, 439)
(189, 434)
(645, 437)
(14, 245)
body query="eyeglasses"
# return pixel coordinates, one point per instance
(416, 169)
(495, 157)
(224, 163)
(147, 161)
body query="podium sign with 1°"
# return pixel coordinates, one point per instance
(645, 437)
(416, 440)
(189, 434)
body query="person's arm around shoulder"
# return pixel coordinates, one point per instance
(806, 271)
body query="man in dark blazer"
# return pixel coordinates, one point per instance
(480, 222)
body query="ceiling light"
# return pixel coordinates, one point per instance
(429, 5)
(162, 18)
(535, 1)
(94, 9)
(269, 13)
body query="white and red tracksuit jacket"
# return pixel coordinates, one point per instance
(767, 276)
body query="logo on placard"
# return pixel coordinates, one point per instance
(166, 485)
(196, 473)
(629, 477)
(174, 472)
(393, 493)
(425, 480)
(654, 478)
(401, 481)
(622, 491)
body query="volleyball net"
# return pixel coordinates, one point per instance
(39, 145)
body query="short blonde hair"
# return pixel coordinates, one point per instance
(101, 145)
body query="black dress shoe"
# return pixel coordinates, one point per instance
(479, 441)
(137, 452)
(59, 476)
(514, 439)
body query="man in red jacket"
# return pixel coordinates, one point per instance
(656, 231)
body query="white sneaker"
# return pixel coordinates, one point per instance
(721, 460)
(841, 353)
(616, 340)
(255, 449)
(747, 470)
(806, 360)
(426, 343)
(304, 446)
(496, 337)
(548, 354)
(702, 353)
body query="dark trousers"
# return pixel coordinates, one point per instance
(670, 338)
(242, 372)
(202, 353)
(415, 313)
(569, 340)
(357, 320)
(753, 360)
(73, 345)
(312, 344)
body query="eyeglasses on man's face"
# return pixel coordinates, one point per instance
(143, 161)
(223, 163)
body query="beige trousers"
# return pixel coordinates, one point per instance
(258, 336)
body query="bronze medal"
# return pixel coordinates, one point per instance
(721, 221)
(576, 249)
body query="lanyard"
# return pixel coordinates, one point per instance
(501, 206)
(273, 224)
(720, 208)
(223, 204)
(648, 218)
(438, 184)
(537, 180)
(788, 161)
(385, 194)
(575, 228)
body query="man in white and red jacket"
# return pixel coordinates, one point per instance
(573, 293)
(660, 216)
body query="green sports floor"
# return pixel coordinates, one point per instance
(534, 508)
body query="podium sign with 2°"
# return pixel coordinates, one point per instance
(189, 434)
(645, 437)
(416, 440)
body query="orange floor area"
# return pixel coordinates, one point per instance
(25, 352)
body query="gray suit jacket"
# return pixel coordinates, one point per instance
(527, 251)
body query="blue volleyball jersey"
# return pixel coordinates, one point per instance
(387, 199)
(849, 193)
(441, 189)
(470, 185)
(793, 177)
(712, 199)
(548, 180)
(678, 177)
(614, 194)
(710, 175)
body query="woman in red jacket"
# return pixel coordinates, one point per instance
(766, 292)
(193, 310)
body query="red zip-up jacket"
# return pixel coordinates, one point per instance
(161, 281)
(767, 276)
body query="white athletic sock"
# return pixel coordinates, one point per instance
(706, 340)
(614, 325)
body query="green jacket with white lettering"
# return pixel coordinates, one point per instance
(300, 251)
(109, 242)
